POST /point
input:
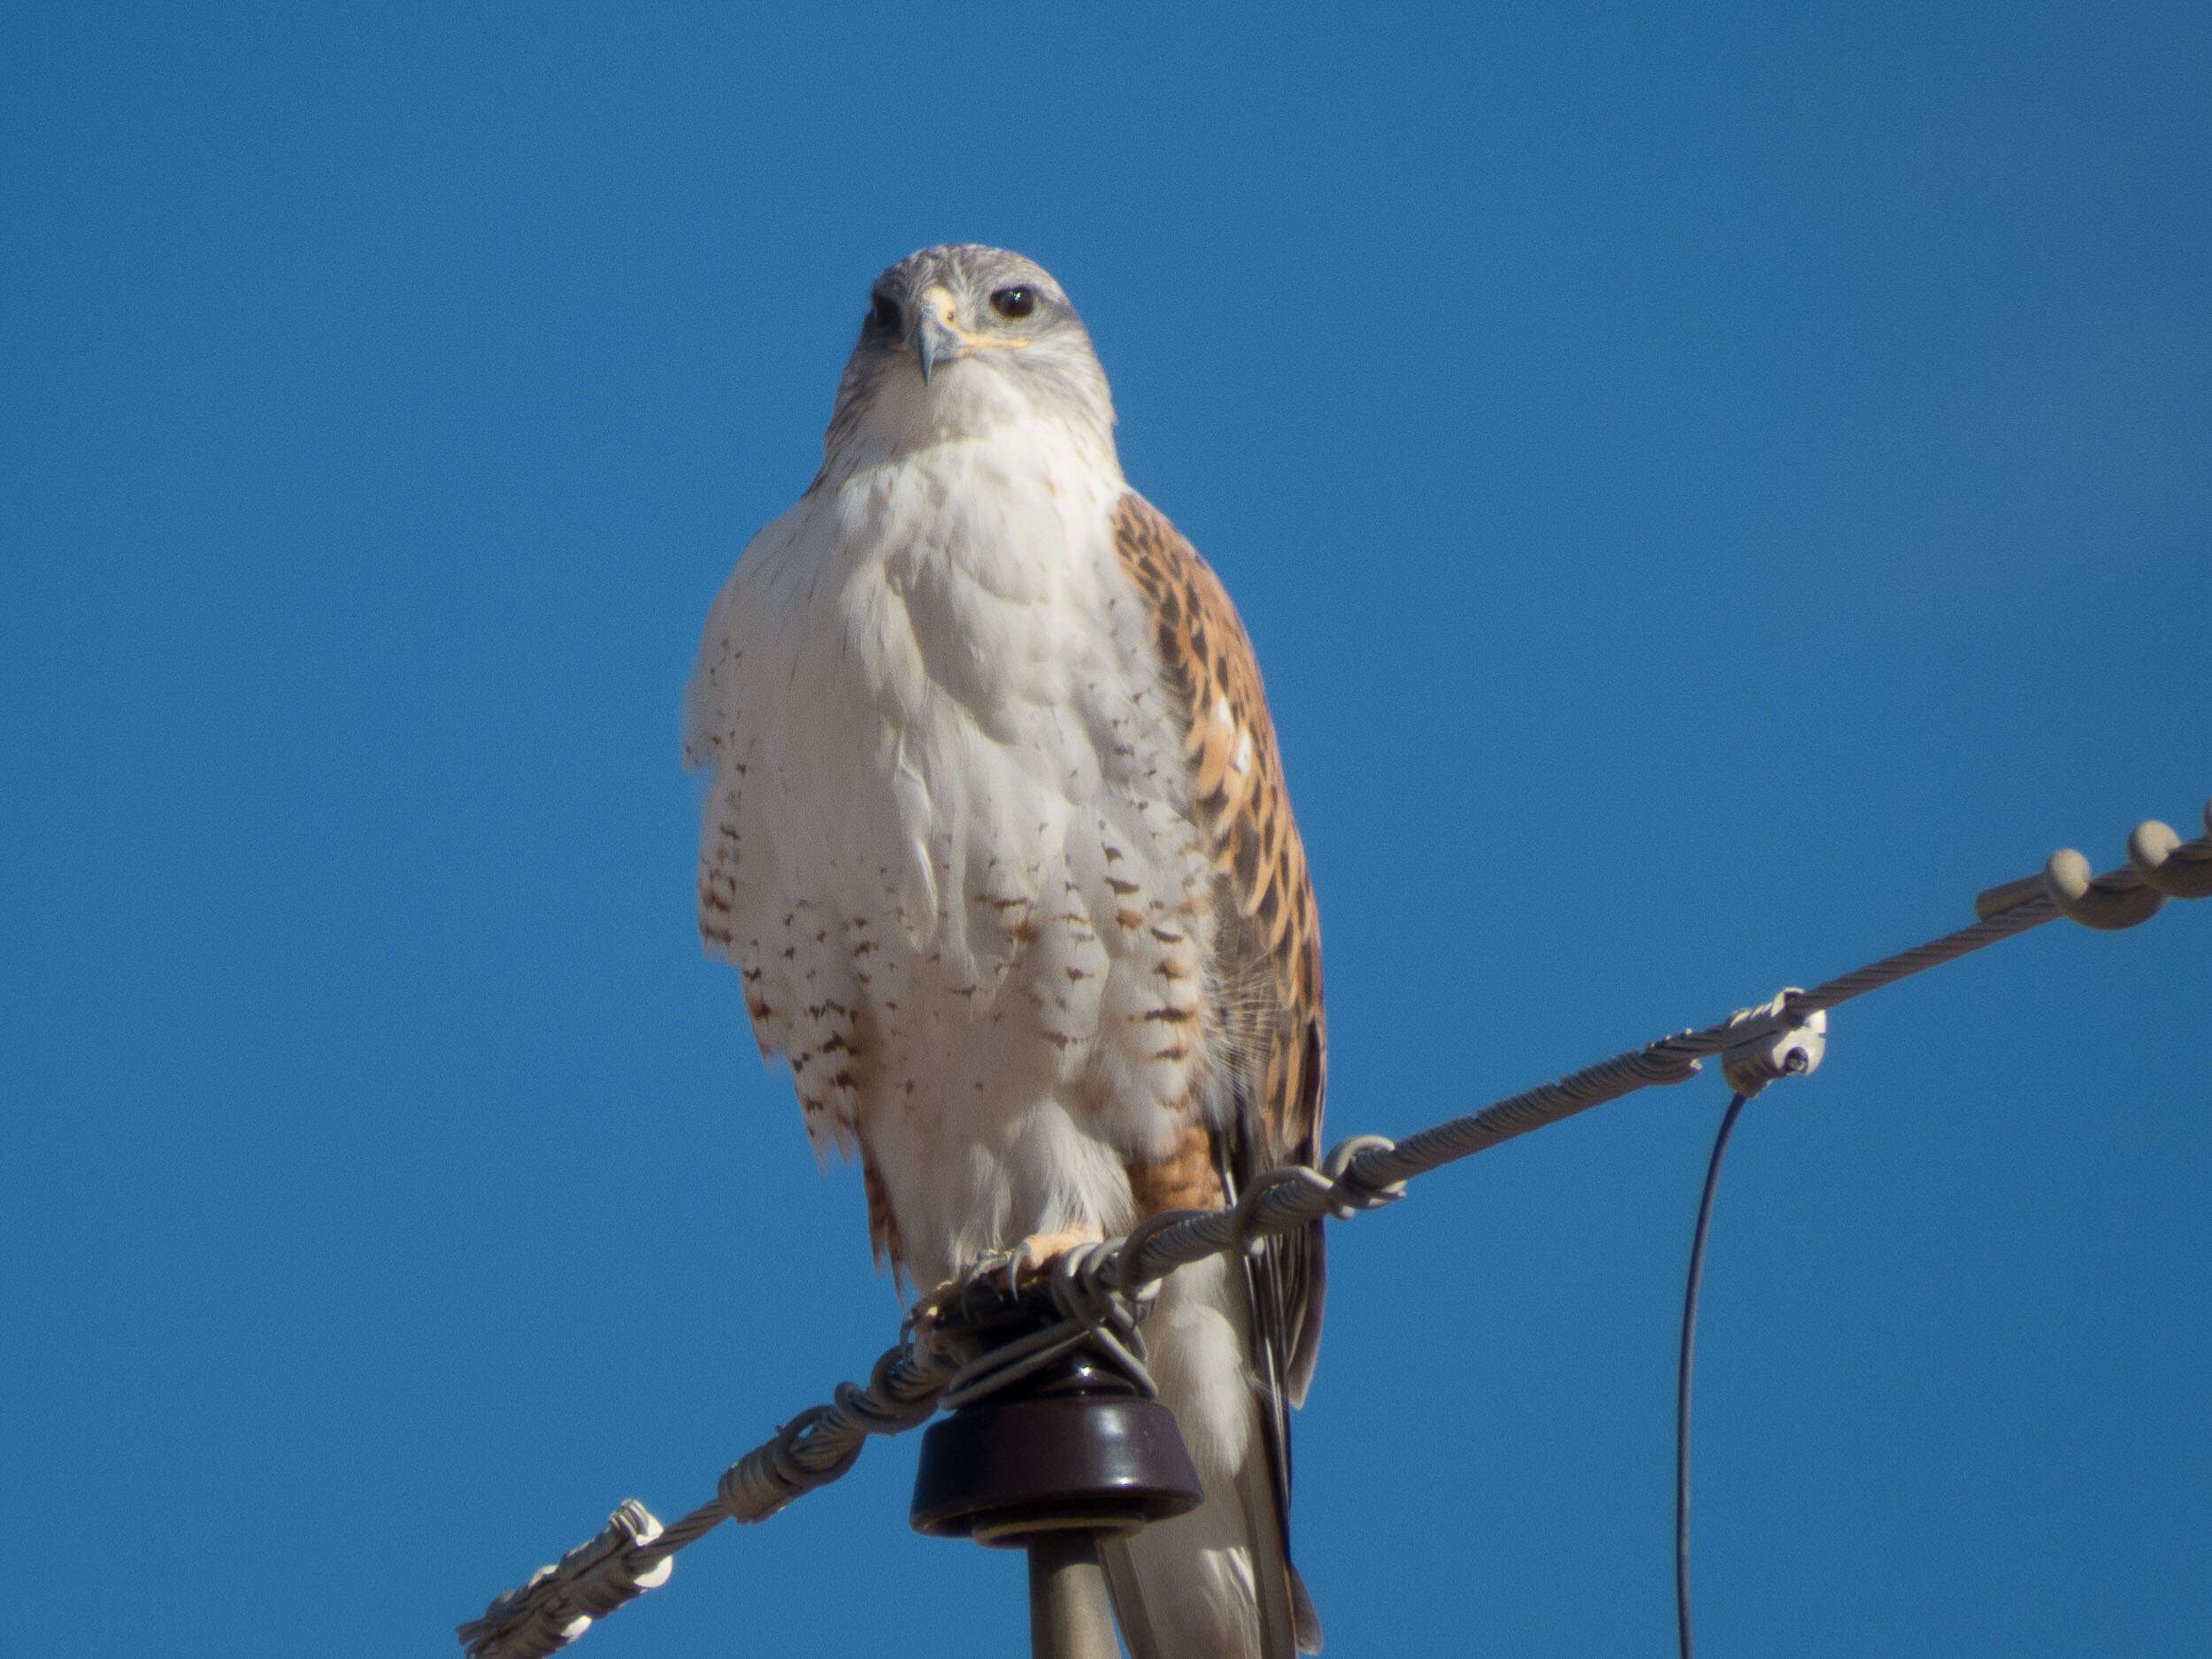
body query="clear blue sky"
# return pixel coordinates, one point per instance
(1711, 489)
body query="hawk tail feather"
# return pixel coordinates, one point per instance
(1215, 1583)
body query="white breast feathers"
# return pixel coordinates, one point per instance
(945, 840)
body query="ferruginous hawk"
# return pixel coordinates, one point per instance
(997, 837)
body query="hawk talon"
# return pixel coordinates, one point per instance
(1034, 1259)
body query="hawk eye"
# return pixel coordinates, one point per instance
(885, 313)
(1014, 302)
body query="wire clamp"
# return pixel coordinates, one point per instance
(1778, 1042)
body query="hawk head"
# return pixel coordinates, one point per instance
(960, 339)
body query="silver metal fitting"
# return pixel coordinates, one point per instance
(1781, 1044)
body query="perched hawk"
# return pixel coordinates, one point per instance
(996, 836)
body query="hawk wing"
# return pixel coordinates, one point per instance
(1267, 944)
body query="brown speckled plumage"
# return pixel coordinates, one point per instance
(1267, 962)
(1268, 937)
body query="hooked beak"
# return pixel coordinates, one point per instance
(934, 339)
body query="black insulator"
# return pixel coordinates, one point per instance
(1074, 1445)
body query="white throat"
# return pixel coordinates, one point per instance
(970, 399)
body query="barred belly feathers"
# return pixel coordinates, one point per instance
(997, 837)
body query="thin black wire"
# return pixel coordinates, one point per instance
(1682, 1378)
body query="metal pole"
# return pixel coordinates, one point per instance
(1070, 1616)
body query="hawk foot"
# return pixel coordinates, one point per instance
(1032, 1258)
